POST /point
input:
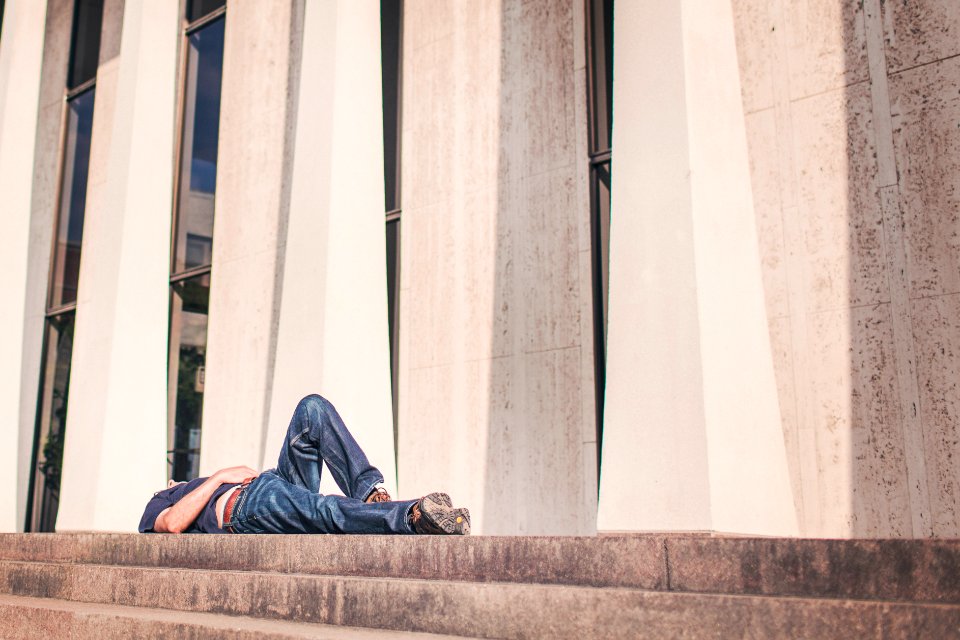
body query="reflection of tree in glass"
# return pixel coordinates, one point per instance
(52, 464)
(193, 295)
(53, 445)
(189, 408)
(189, 401)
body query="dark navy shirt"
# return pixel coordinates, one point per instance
(206, 522)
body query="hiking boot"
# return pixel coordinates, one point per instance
(378, 494)
(434, 514)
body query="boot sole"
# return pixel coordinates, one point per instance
(437, 509)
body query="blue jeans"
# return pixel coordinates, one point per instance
(287, 499)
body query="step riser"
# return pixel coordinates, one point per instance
(600, 562)
(483, 610)
(905, 570)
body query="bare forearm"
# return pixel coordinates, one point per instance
(177, 518)
(181, 515)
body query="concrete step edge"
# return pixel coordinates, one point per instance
(233, 574)
(903, 570)
(31, 618)
(478, 609)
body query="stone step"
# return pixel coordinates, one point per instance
(32, 618)
(895, 570)
(487, 610)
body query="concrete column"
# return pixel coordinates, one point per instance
(692, 435)
(494, 406)
(257, 124)
(116, 423)
(332, 336)
(21, 53)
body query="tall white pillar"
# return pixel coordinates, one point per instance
(692, 435)
(333, 337)
(116, 423)
(21, 54)
(257, 128)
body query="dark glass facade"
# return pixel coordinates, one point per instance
(391, 17)
(85, 48)
(199, 9)
(64, 275)
(599, 24)
(188, 339)
(73, 199)
(192, 249)
(600, 74)
(393, 307)
(199, 146)
(391, 60)
(51, 422)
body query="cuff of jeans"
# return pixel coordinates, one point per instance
(368, 488)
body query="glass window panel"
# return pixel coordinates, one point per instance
(393, 311)
(188, 346)
(603, 174)
(51, 423)
(198, 163)
(73, 198)
(200, 8)
(85, 54)
(601, 62)
(608, 68)
(600, 178)
(390, 25)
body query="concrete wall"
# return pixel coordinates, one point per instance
(852, 114)
(29, 128)
(299, 244)
(116, 423)
(494, 302)
(785, 276)
(332, 334)
(47, 168)
(257, 126)
(691, 424)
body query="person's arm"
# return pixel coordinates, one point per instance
(180, 516)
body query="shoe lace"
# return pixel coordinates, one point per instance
(379, 494)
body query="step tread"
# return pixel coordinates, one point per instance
(95, 615)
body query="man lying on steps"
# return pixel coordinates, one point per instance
(287, 499)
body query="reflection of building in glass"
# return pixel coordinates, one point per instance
(193, 241)
(188, 330)
(73, 196)
(201, 126)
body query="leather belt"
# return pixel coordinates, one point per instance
(228, 508)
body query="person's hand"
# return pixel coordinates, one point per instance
(235, 475)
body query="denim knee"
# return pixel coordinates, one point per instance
(314, 402)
